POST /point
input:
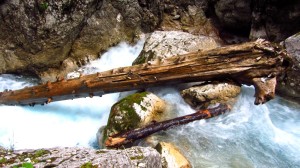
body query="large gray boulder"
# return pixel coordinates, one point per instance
(135, 157)
(289, 85)
(211, 93)
(164, 44)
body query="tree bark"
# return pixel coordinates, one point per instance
(130, 136)
(248, 63)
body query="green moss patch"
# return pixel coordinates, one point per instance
(88, 165)
(123, 116)
(3, 160)
(143, 57)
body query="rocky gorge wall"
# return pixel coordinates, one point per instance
(49, 38)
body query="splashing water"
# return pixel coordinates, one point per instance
(249, 136)
(64, 123)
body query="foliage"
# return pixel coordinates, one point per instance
(25, 165)
(43, 6)
(2, 160)
(88, 165)
(40, 153)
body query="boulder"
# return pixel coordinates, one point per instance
(163, 44)
(141, 157)
(289, 84)
(211, 93)
(134, 111)
(171, 156)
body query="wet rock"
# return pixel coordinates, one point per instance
(171, 156)
(85, 157)
(134, 111)
(242, 20)
(188, 16)
(289, 84)
(52, 38)
(163, 44)
(36, 35)
(211, 93)
(275, 20)
(234, 14)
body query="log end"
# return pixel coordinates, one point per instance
(264, 89)
(112, 142)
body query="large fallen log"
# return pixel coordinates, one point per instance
(253, 63)
(130, 136)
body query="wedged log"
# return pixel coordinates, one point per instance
(130, 136)
(244, 63)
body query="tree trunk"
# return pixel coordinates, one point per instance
(248, 63)
(130, 136)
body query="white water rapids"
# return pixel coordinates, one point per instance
(249, 136)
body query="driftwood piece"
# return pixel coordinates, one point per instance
(130, 136)
(244, 63)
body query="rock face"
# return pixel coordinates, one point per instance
(275, 20)
(39, 34)
(133, 111)
(50, 38)
(272, 20)
(188, 16)
(289, 85)
(171, 156)
(83, 157)
(164, 44)
(206, 94)
(234, 12)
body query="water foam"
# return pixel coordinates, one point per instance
(249, 136)
(65, 123)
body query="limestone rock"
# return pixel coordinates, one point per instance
(83, 157)
(164, 44)
(52, 38)
(36, 35)
(289, 85)
(134, 111)
(189, 17)
(171, 156)
(211, 93)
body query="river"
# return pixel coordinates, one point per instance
(249, 136)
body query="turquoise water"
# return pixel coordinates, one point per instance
(249, 136)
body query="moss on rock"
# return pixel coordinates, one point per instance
(133, 111)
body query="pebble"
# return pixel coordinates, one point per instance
(27, 160)
(176, 17)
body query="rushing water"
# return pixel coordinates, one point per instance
(249, 136)
(65, 123)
